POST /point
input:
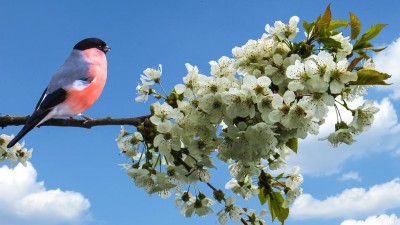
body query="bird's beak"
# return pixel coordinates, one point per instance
(106, 49)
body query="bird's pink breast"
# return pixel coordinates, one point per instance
(80, 100)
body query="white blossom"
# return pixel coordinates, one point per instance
(345, 46)
(251, 59)
(143, 91)
(192, 77)
(204, 175)
(151, 76)
(212, 85)
(223, 68)
(183, 198)
(245, 188)
(163, 185)
(239, 103)
(180, 88)
(369, 64)
(340, 76)
(298, 75)
(16, 153)
(317, 103)
(293, 182)
(318, 68)
(284, 31)
(295, 179)
(213, 105)
(242, 170)
(143, 178)
(364, 116)
(267, 104)
(343, 135)
(199, 207)
(291, 195)
(128, 143)
(278, 163)
(4, 140)
(257, 217)
(289, 97)
(164, 112)
(296, 117)
(234, 211)
(259, 87)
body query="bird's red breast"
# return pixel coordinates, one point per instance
(79, 99)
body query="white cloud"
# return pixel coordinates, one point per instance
(23, 200)
(388, 61)
(319, 158)
(375, 220)
(350, 176)
(351, 203)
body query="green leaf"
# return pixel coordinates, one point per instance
(275, 202)
(326, 18)
(292, 144)
(378, 49)
(354, 62)
(362, 45)
(279, 176)
(372, 32)
(355, 25)
(329, 42)
(335, 24)
(262, 196)
(307, 26)
(270, 207)
(370, 77)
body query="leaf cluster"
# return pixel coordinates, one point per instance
(321, 30)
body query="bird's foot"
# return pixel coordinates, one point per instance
(85, 117)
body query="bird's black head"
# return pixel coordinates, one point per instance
(92, 43)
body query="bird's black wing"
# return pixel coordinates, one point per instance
(50, 100)
(43, 107)
(41, 99)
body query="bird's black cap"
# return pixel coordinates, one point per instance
(89, 43)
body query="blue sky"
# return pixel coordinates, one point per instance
(80, 166)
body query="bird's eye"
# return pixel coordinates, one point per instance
(100, 47)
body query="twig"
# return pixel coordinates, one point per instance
(212, 187)
(8, 120)
(244, 222)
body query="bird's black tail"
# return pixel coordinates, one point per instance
(32, 122)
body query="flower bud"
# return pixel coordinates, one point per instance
(219, 195)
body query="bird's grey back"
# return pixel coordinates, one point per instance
(74, 68)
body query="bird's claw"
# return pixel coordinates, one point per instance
(85, 117)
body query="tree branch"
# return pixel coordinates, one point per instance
(8, 120)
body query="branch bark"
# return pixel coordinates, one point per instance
(8, 120)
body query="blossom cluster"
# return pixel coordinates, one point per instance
(16, 153)
(249, 111)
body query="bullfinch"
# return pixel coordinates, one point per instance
(74, 87)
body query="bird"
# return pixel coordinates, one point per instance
(74, 87)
